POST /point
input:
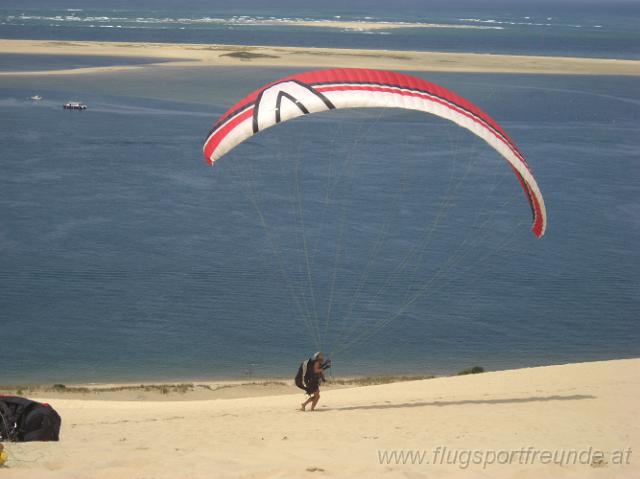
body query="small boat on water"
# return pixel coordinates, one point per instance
(74, 105)
(35, 98)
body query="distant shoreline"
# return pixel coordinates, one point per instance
(189, 389)
(192, 390)
(167, 55)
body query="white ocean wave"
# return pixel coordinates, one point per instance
(511, 22)
(76, 16)
(369, 32)
(503, 22)
(67, 18)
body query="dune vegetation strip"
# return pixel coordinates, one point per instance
(202, 389)
(182, 390)
(202, 55)
(246, 55)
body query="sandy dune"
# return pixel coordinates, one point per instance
(229, 55)
(580, 410)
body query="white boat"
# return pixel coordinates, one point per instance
(74, 105)
(35, 98)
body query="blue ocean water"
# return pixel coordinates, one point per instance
(124, 257)
(393, 239)
(566, 28)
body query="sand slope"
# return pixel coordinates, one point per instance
(569, 407)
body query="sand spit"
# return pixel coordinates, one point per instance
(200, 55)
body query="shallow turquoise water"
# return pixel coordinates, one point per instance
(20, 62)
(565, 28)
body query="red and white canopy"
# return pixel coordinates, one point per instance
(316, 91)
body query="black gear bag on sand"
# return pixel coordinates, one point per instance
(24, 420)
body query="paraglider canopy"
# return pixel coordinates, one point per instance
(323, 90)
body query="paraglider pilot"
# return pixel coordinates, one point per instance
(314, 375)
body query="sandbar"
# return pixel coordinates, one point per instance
(361, 25)
(202, 55)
